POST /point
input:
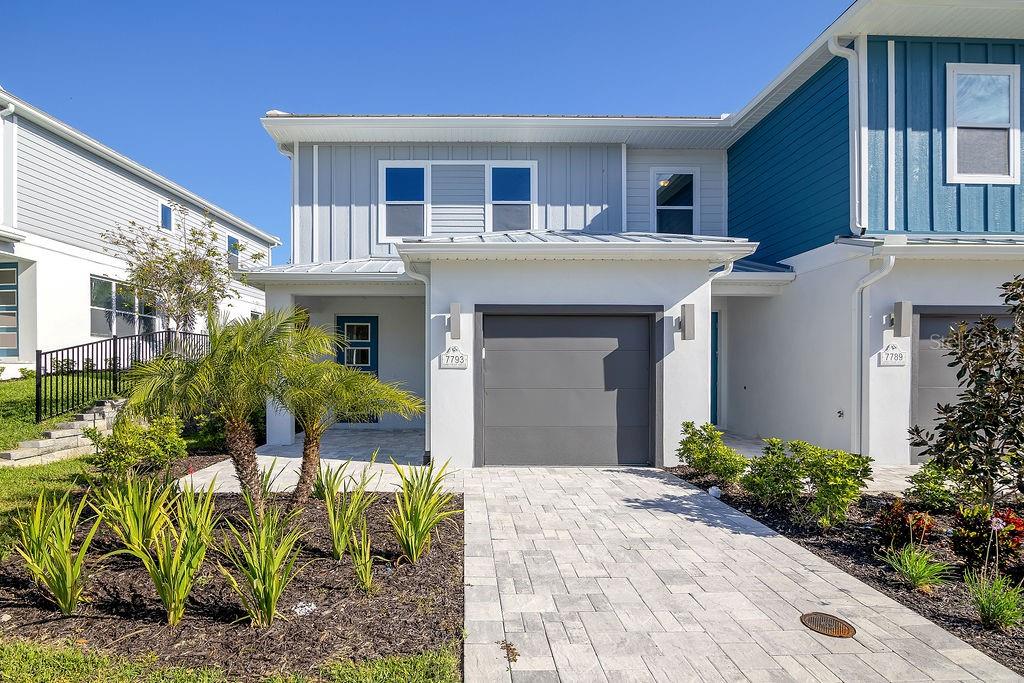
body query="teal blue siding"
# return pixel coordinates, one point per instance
(789, 176)
(924, 201)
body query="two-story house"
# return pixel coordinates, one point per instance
(60, 284)
(566, 290)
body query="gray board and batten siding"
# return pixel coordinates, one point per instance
(579, 186)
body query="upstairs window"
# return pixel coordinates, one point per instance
(419, 198)
(166, 217)
(404, 201)
(114, 309)
(233, 252)
(983, 123)
(674, 200)
(511, 198)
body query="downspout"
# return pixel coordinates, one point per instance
(426, 351)
(726, 269)
(860, 296)
(857, 226)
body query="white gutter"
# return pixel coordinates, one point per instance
(65, 131)
(720, 253)
(859, 307)
(857, 225)
(426, 352)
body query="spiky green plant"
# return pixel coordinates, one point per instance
(45, 546)
(916, 566)
(264, 555)
(268, 478)
(329, 480)
(173, 563)
(346, 507)
(362, 557)
(420, 506)
(135, 509)
(194, 512)
(999, 602)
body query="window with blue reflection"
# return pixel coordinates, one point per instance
(510, 184)
(165, 217)
(404, 184)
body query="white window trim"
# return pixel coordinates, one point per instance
(952, 175)
(158, 322)
(160, 204)
(488, 164)
(653, 198)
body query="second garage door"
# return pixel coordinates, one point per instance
(566, 390)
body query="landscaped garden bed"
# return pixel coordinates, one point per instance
(325, 615)
(855, 548)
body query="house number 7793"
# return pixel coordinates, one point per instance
(454, 358)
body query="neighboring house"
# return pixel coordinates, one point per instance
(567, 290)
(59, 191)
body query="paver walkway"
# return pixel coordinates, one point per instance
(633, 575)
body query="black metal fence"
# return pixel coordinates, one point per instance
(74, 377)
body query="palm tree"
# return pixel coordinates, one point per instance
(233, 380)
(322, 393)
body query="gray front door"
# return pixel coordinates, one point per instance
(566, 390)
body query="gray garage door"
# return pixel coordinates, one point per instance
(566, 390)
(934, 381)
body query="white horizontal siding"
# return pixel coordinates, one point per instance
(72, 196)
(711, 162)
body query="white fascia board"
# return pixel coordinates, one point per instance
(751, 284)
(8, 234)
(306, 278)
(711, 252)
(953, 252)
(40, 118)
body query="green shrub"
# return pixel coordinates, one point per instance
(1000, 604)
(834, 481)
(264, 554)
(131, 446)
(774, 478)
(940, 489)
(362, 557)
(346, 507)
(980, 537)
(703, 449)
(916, 566)
(45, 546)
(135, 508)
(420, 506)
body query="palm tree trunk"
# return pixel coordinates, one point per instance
(310, 468)
(241, 446)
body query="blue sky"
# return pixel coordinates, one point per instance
(180, 86)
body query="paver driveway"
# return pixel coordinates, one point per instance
(631, 574)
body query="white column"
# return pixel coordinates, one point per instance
(280, 423)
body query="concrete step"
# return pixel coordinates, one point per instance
(23, 460)
(79, 425)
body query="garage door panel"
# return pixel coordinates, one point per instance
(566, 390)
(583, 446)
(624, 369)
(566, 407)
(569, 332)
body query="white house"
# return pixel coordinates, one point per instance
(566, 290)
(59, 191)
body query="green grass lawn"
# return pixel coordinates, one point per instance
(18, 413)
(22, 662)
(21, 486)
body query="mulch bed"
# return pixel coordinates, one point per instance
(415, 607)
(196, 460)
(852, 548)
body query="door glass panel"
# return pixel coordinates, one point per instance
(357, 357)
(8, 298)
(675, 221)
(8, 276)
(357, 332)
(8, 319)
(674, 189)
(8, 340)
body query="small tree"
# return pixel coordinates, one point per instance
(183, 273)
(322, 393)
(981, 436)
(232, 381)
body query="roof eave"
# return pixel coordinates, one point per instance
(953, 252)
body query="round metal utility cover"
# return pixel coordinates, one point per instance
(828, 624)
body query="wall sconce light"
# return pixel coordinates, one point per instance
(903, 319)
(687, 322)
(455, 320)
